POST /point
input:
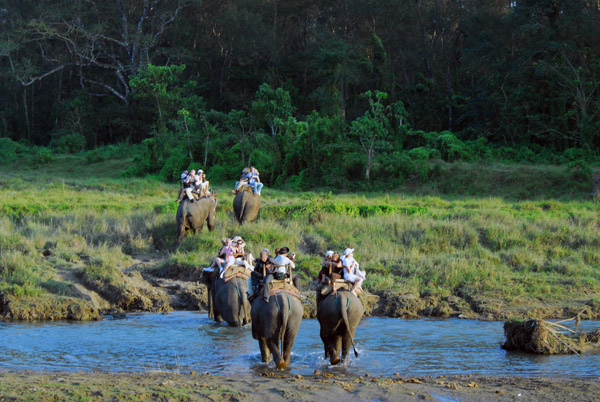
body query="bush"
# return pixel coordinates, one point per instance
(176, 163)
(69, 143)
(581, 171)
(43, 156)
(8, 150)
(451, 148)
(577, 154)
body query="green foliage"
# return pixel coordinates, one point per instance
(8, 150)
(43, 156)
(69, 143)
(536, 248)
(581, 171)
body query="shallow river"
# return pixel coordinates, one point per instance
(190, 341)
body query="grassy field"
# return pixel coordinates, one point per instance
(526, 235)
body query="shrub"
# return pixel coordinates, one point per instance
(69, 143)
(43, 156)
(581, 171)
(176, 163)
(577, 154)
(451, 148)
(8, 150)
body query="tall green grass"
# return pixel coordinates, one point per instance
(81, 218)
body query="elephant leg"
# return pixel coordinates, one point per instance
(329, 342)
(346, 344)
(180, 232)
(265, 353)
(273, 345)
(288, 341)
(211, 313)
(211, 221)
(336, 344)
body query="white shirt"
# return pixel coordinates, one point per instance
(353, 270)
(284, 262)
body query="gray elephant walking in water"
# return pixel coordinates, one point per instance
(246, 206)
(339, 315)
(193, 215)
(228, 301)
(275, 325)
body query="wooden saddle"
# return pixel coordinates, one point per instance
(277, 286)
(236, 271)
(340, 284)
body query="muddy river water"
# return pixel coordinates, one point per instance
(184, 341)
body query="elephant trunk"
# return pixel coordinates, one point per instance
(344, 311)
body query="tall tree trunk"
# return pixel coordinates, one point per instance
(342, 99)
(206, 147)
(26, 109)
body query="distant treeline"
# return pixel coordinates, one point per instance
(310, 91)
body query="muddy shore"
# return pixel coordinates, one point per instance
(96, 386)
(142, 288)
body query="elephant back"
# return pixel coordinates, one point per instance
(334, 305)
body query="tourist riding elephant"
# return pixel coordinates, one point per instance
(339, 314)
(228, 301)
(246, 205)
(275, 325)
(192, 215)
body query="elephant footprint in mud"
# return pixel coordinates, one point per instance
(275, 325)
(339, 315)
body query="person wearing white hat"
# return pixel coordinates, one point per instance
(201, 183)
(352, 273)
(241, 256)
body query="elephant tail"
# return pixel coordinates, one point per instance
(286, 307)
(344, 312)
(242, 210)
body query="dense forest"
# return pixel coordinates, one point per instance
(310, 92)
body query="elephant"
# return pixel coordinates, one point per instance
(246, 205)
(192, 215)
(275, 325)
(339, 314)
(228, 301)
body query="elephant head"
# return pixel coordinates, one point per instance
(275, 325)
(193, 215)
(246, 205)
(339, 315)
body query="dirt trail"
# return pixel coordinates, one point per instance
(81, 291)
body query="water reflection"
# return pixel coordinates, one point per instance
(190, 341)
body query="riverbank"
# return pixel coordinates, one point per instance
(83, 242)
(273, 386)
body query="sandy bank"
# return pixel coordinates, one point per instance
(94, 386)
